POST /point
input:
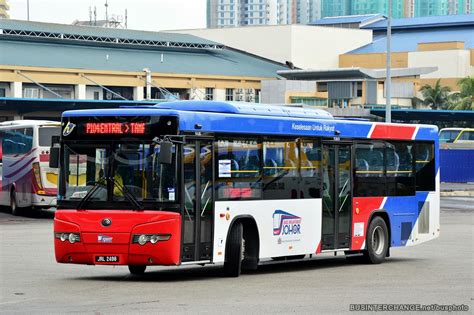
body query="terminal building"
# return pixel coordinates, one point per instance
(349, 54)
(65, 62)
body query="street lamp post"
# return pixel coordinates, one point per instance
(388, 80)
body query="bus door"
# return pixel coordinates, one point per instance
(337, 196)
(197, 200)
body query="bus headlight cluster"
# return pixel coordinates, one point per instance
(71, 237)
(142, 239)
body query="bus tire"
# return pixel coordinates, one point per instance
(137, 269)
(377, 241)
(233, 251)
(13, 204)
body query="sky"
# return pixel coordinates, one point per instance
(152, 15)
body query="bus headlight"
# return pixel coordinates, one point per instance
(154, 239)
(142, 239)
(71, 237)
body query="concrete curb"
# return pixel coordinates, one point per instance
(457, 193)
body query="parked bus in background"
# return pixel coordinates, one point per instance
(203, 182)
(26, 180)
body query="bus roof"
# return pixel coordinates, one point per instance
(251, 118)
(29, 123)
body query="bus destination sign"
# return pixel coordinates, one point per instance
(116, 128)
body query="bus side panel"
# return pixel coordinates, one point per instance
(18, 175)
(285, 227)
(413, 219)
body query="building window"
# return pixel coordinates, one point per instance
(3, 92)
(229, 94)
(96, 95)
(209, 94)
(31, 93)
(359, 89)
(322, 87)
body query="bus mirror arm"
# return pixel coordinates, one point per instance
(54, 152)
(166, 149)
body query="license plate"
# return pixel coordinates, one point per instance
(106, 259)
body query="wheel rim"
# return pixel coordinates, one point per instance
(378, 240)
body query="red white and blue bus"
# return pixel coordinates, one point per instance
(26, 180)
(203, 182)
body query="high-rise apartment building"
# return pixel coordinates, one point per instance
(359, 7)
(400, 8)
(4, 9)
(229, 13)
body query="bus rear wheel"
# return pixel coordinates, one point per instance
(377, 241)
(137, 269)
(13, 204)
(234, 251)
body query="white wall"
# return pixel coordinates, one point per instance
(450, 63)
(317, 47)
(309, 47)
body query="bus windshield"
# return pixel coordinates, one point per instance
(113, 172)
(448, 136)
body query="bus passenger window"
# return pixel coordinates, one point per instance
(239, 169)
(400, 173)
(310, 182)
(280, 170)
(369, 170)
(425, 166)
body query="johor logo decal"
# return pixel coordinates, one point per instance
(285, 223)
(104, 239)
(68, 129)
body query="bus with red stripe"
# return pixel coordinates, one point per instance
(26, 180)
(239, 184)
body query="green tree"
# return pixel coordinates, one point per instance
(464, 99)
(437, 96)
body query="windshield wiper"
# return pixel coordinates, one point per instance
(97, 184)
(129, 196)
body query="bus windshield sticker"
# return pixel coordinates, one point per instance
(171, 194)
(224, 168)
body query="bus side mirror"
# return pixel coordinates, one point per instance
(166, 152)
(54, 152)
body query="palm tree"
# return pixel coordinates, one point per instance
(464, 100)
(436, 96)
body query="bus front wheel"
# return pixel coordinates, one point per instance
(234, 251)
(137, 269)
(377, 241)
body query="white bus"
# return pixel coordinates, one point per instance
(26, 180)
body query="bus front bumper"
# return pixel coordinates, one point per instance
(116, 246)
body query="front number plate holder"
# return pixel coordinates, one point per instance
(107, 259)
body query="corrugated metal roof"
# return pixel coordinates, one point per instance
(213, 62)
(423, 22)
(100, 31)
(408, 40)
(346, 19)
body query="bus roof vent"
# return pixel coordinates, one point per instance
(244, 108)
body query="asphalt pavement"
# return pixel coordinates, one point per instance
(437, 272)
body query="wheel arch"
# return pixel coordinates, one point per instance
(250, 229)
